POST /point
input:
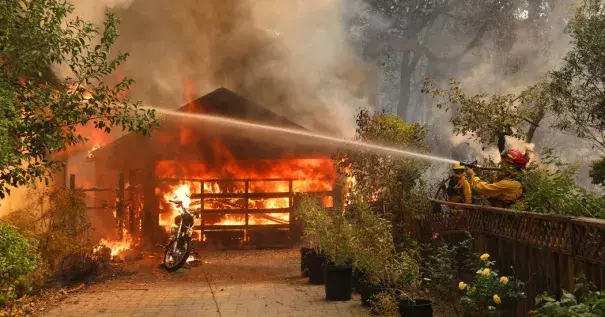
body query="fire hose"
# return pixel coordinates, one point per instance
(474, 165)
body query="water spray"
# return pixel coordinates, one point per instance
(256, 126)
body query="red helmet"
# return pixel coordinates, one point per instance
(514, 157)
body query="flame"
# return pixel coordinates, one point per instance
(311, 174)
(116, 247)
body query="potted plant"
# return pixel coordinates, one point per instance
(315, 222)
(372, 249)
(338, 244)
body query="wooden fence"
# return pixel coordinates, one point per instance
(545, 251)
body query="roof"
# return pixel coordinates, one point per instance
(166, 143)
(224, 102)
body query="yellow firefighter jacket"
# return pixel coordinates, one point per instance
(462, 192)
(506, 190)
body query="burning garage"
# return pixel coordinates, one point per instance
(245, 184)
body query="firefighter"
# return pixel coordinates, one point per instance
(458, 188)
(507, 188)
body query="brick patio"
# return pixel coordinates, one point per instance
(244, 283)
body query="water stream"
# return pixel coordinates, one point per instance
(297, 132)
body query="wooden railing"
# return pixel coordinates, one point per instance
(545, 251)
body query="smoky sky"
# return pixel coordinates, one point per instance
(292, 57)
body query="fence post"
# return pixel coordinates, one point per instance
(131, 204)
(120, 207)
(571, 271)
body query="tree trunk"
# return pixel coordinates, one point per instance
(532, 127)
(501, 142)
(408, 65)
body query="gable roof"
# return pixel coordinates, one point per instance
(242, 144)
(225, 103)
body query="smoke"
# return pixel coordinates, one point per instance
(291, 57)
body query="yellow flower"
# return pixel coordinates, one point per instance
(461, 286)
(484, 257)
(497, 299)
(504, 280)
(491, 308)
(485, 272)
(474, 289)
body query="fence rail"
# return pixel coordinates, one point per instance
(546, 251)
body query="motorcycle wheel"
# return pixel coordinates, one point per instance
(175, 260)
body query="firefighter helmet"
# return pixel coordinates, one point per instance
(514, 157)
(458, 167)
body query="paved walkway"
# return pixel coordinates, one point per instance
(228, 283)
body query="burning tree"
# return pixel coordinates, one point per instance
(40, 113)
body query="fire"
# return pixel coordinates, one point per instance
(219, 172)
(116, 247)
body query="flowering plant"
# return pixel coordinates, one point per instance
(490, 294)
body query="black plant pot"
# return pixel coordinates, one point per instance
(368, 292)
(338, 282)
(356, 280)
(304, 271)
(315, 268)
(416, 308)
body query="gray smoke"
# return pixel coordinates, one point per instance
(291, 57)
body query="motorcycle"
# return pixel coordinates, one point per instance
(178, 249)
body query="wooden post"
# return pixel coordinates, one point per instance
(150, 206)
(120, 206)
(202, 199)
(131, 204)
(291, 223)
(73, 217)
(246, 205)
(571, 270)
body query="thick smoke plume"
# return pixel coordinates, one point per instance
(291, 57)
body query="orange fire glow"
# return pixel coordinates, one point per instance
(117, 246)
(308, 175)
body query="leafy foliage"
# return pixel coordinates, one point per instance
(18, 259)
(490, 294)
(442, 261)
(314, 221)
(550, 187)
(40, 115)
(376, 252)
(582, 302)
(597, 171)
(62, 228)
(489, 118)
(385, 304)
(577, 88)
(384, 179)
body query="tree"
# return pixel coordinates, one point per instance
(466, 25)
(491, 118)
(389, 181)
(578, 87)
(40, 116)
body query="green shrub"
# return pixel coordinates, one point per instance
(17, 260)
(550, 187)
(57, 219)
(442, 262)
(490, 294)
(583, 302)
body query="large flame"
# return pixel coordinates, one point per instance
(308, 175)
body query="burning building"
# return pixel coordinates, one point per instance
(244, 181)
